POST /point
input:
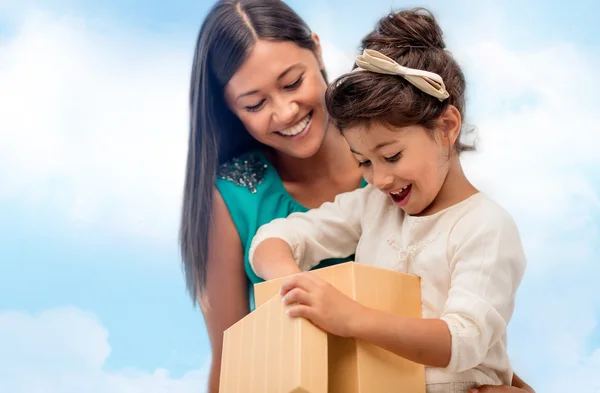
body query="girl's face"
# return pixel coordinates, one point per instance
(278, 94)
(407, 163)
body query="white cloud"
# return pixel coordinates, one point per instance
(337, 61)
(64, 351)
(94, 125)
(538, 136)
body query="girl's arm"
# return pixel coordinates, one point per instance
(223, 305)
(299, 242)
(423, 341)
(273, 258)
(487, 265)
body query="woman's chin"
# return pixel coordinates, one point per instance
(304, 149)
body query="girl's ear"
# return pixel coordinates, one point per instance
(450, 125)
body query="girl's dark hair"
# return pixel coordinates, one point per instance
(216, 134)
(413, 39)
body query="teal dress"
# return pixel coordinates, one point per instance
(255, 195)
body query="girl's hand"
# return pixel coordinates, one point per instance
(307, 296)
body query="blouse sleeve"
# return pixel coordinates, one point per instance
(487, 264)
(330, 231)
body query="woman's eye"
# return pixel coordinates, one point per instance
(364, 163)
(256, 107)
(296, 84)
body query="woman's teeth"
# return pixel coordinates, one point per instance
(296, 128)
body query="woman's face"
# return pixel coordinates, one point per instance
(278, 94)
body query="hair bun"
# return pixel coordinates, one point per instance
(416, 27)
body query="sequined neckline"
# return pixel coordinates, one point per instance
(249, 170)
(246, 171)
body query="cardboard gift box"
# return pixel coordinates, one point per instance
(269, 352)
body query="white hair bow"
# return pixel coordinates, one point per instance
(428, 82)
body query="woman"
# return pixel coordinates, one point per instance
(260, 148)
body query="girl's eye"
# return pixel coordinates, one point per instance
(394, 158)
(364, 163)
(256, 107)
(296, 84)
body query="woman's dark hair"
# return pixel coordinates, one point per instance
(216, 134)
(413, 39)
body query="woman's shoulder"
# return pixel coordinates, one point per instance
(253, 191)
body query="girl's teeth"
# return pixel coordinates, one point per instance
(402, 189)
(297, 128)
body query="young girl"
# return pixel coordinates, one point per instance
(401, 113)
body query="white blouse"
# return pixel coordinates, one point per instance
(469, 257)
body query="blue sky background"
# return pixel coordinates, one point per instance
(92, 145)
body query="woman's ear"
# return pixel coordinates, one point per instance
(318, 51)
